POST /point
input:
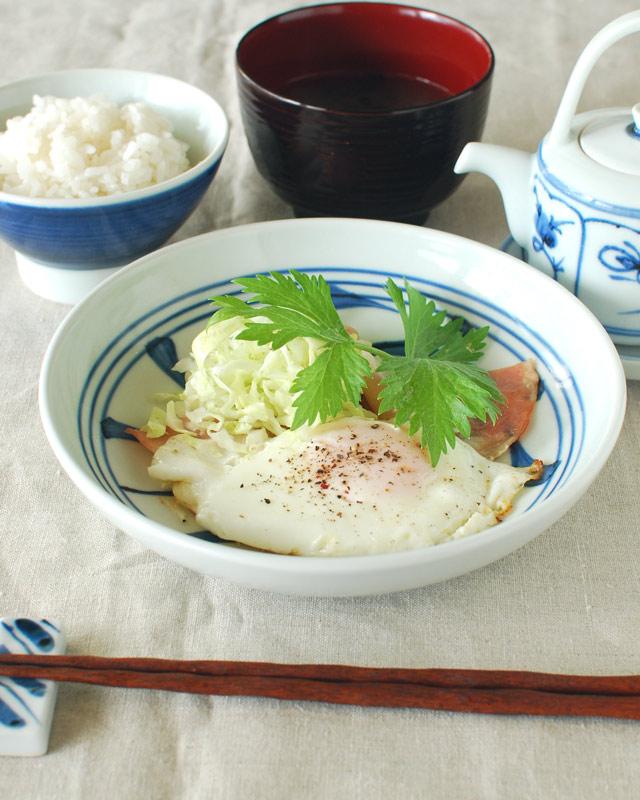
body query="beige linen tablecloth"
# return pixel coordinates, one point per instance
(567, 602)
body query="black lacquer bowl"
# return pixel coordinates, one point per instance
(361, 109)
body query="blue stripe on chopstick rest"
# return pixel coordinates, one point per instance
(32, 685)
(9, 718)
(40, 638)
(27, 704)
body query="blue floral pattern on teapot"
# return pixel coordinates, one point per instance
(571, 231)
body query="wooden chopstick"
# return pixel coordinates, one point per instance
(479, 691)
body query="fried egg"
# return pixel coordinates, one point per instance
(354, 486)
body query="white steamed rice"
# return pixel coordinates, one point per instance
(87, 147)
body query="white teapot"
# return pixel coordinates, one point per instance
(574, 206)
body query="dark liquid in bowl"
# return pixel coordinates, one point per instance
(363, 91)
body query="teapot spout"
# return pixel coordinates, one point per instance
(511, 170)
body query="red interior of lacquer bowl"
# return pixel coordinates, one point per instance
(365, 36)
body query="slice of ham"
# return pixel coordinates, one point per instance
(152, 444)
(519, 385)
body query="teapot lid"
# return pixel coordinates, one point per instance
(613, 140)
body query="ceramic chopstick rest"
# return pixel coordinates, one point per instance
(27, 704)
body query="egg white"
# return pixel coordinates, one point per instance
(354, 486)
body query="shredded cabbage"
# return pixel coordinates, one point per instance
(236, 386)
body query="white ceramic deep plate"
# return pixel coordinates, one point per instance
(116, 348)
(629, 354)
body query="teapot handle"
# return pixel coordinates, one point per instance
(609, 35)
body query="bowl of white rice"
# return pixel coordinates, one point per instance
(99, 167)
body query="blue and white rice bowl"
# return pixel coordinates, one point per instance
(66, 246)
(118, 347)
